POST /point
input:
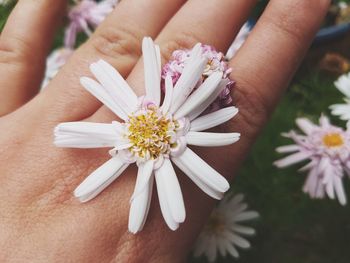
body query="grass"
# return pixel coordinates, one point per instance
(292, 228)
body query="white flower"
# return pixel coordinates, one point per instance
(343, 110)
(54, 62)
(239, 41)
(327, 148)
(222, 232)
(152, 135)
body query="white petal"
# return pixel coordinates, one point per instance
(68, 141)
(339, 190)
(239, 208)
(190, 76)
(191, 163)
(96, 182)
(151, 57)
(120, 86)
(324, 121)
(122, 145)
(200, 95)
(168, 94)
(244, 216)
(97, 91)
(143, 176)
(88, 135)
(292, 159)
(305, 125)
(343, 84)
(308, 166)
(236, 200)
(339, 108)
(141, 201)
(197, 111)
(111, 130)
(288, 148)
(213, 119)
(232, 250)
(205, 188)
(342, 110)
(167, 176)
(196, 53)
(119, 94)
(243, 229)
(164, 206)
(328, 181)
(237, 240)
(311, 183)
(211, 139)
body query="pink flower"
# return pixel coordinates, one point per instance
(216, 63)
(327, 148)
(85, 17)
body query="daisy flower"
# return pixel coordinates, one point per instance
(215, 63)
(239, 41)
(327, 148)
(222, 233)
(152, 135)
(85, 16)
(54, 62)
(343, 110)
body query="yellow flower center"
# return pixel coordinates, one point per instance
(150, 133)
(333, 140)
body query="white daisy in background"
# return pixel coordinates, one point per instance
(327, 148)
(151, 135)
(54, 62)
(222, 233)
(239, 41)
(343, 110)
(85, 16)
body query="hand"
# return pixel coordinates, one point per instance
(40, 220)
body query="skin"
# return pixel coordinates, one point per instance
(40, 220)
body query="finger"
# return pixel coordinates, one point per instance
(117, 41)
(269, 58)
(217, 26)
(24, 44)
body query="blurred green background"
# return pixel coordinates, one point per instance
(292, 228)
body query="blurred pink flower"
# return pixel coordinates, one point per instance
(85, 17)
(216, 63)
(327, 148)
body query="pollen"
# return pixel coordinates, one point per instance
(151, 133)
(333, 140)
